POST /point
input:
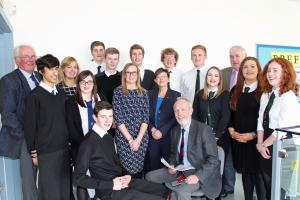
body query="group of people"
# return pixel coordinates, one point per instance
(110, 129)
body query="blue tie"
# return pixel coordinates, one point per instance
(32, 77)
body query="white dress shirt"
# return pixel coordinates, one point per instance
(284, 112)
(93, 67)
(48, 88)
(175, 77)
(188, 82)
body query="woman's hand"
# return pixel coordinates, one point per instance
(244, 138)
(135, 145)
(157, 134)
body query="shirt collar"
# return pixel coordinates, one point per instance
(276, 91)
(252, 86)
(100, 131)
(108, 74)
(48, 88)
(26, 74)
(214, 89)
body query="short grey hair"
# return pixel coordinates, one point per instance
(238, 47)
(184, 99)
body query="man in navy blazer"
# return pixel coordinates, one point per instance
(14, 87)
(193, 145)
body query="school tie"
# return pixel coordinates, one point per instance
(99, 69)
(266, 119)
(181, 153)
(210, 96)
(32, 77)
(246, 89)
(197, 81)
(53, 93)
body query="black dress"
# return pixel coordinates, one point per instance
(244, 120)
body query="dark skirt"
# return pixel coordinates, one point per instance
(245, 156)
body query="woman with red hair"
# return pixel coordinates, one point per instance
(278, 108)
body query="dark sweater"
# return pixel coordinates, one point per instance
(99, 156)
(45, 121)
(106, 85)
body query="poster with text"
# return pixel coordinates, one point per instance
(265, 52)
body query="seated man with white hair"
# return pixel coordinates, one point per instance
(192, 145)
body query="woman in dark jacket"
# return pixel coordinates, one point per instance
(162, 119)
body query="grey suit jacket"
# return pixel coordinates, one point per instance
(13, 90)
(226, 75)
(202, 153)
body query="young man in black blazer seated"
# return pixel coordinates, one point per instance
(98, 154)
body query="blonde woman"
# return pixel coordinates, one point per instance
(131, 113)
(68, 72)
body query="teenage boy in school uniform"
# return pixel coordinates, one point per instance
(98, 154)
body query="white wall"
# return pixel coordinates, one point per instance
(66, 27)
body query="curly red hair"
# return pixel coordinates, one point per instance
(288, 77)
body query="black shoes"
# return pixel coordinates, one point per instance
(225, 193)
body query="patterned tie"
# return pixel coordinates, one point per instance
(197, 81)
(32, 77)
(266, 118)
(181, 153)
(246, 89)
(211, 94)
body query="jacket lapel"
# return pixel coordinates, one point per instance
(23, 81)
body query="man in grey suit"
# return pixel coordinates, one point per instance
(193, 145)
(229, 74)
(14, 87)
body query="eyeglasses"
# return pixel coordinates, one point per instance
(28, 57)
(84, 83)
(131, 73)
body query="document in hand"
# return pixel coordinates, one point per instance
(177, 168)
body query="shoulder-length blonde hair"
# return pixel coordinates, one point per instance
(288, 76)
(220, 84)
(64, 63)
(240, 83)
(138, 80)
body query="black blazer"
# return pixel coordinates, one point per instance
(166, 117)
(74, 124)
(148, 80)
(13, 90)
(219, 109)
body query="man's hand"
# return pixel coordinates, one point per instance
(172, 169)
(125, 181)
(117, 183)
(34, 158)
(192, 179)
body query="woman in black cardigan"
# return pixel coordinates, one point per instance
(211, 106)
(79, 115)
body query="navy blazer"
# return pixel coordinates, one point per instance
(166, 117)
(14, 88)
(202, 153)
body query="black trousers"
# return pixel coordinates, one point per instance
(249, 182)
(54, 175)
(140, 189)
